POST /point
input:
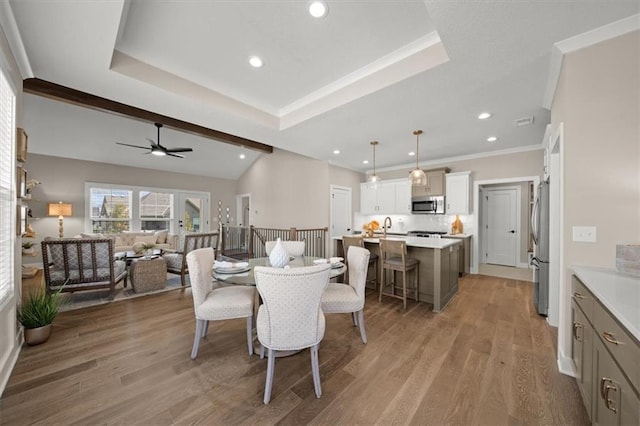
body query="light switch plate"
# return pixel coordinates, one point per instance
(585, 234)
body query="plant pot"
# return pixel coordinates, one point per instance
(35, 336)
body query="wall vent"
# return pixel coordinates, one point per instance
(525, 121)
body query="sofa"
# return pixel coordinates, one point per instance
(133, 241)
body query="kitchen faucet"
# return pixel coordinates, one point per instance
(384, 225)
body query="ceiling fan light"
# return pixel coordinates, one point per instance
(158, 152)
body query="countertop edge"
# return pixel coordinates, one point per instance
(606, 283)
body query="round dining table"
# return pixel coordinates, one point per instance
(247, 277)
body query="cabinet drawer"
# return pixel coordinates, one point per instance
(582, 297)
(622, 346)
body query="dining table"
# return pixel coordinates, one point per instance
(245, 276)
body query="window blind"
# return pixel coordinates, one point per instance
(7, 188)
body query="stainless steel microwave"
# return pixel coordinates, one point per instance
(427, 205)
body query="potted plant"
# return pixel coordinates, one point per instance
(27, 247)
(37, 313)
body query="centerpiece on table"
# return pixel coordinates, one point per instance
(147, 248)
(370, 227)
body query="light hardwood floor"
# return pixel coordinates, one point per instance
(488, 359)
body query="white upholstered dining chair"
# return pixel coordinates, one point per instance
(294, 248)
(290, 317)
(341, 298)
(214, 304)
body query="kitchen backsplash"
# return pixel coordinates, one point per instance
(424, 222)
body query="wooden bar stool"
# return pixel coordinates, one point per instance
(394, 258)
(358, 241)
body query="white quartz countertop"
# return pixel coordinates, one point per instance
(619, 293)
(433, 243)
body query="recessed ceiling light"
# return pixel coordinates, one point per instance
(255, 62)
(484, 115)
(242, 156)
(365, 162)
(336, 151)
(318, 9)
(492, 139)
(411, 154)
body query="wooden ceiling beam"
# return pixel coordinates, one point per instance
(57, 92)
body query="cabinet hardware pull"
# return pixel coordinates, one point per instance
(577, 295)
(603, 382)
(608, 336)
(576, 326)
(607, 400)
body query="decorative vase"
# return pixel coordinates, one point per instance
(279, 257)
(456, 226)
(35, 336)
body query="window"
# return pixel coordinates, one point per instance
(110, 210)
(156, 210)
(7, 188)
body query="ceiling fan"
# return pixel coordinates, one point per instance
(157, 149)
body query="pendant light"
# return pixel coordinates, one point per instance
(373, 179)
(417, 176)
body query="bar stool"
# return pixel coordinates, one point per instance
(394, 258)
(358, 241)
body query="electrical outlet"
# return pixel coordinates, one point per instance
(585, 234)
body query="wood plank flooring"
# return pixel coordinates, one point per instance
(488, 359)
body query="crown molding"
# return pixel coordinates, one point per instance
(10, 29)
(580, 41)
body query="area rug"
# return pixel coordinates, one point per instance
(84, 299)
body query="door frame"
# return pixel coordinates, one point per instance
(483, 221)
(475, 249)
(350, 204)
(239, 212)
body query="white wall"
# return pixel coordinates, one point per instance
(597, 99)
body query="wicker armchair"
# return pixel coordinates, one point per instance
(87, 263)
(177, 262)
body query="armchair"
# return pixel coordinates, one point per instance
(177, 262)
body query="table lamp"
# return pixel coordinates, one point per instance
(61, 210)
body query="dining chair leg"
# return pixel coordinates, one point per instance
(363, 334)
(206, 329)
(315, 369)
(250, 334)
(354, 318)
(382, 283)
(404, 289)
(271, 359)
(200, 324)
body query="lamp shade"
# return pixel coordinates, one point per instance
(60, 209)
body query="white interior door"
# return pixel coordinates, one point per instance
(340, 213)
(193, 212)
(501, 226)
(243, 209)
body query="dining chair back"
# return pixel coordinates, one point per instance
(294, 248)
(358, 241)
(349, 298)
(394, 258)
(291, 317)
(214, 304)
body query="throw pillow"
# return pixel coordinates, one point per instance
(161, 236)
(118, 242)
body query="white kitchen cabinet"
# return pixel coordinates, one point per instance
(457, 198)
(403, 197)
(390, 197)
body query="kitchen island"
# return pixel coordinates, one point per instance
(439, 265)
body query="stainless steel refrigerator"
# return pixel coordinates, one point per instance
(540, 260)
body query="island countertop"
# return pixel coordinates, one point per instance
(422, 242)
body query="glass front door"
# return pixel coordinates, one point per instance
(193, 212)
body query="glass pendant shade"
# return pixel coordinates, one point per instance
(373, 179)
(418, 176)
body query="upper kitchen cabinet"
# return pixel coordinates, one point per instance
(435, 183)
(457, 200)
(390, 197)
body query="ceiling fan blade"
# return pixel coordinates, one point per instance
(179, 149)
(133, 146)
(175, 155)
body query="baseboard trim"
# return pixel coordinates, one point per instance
(565, 364)
(7, 368)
